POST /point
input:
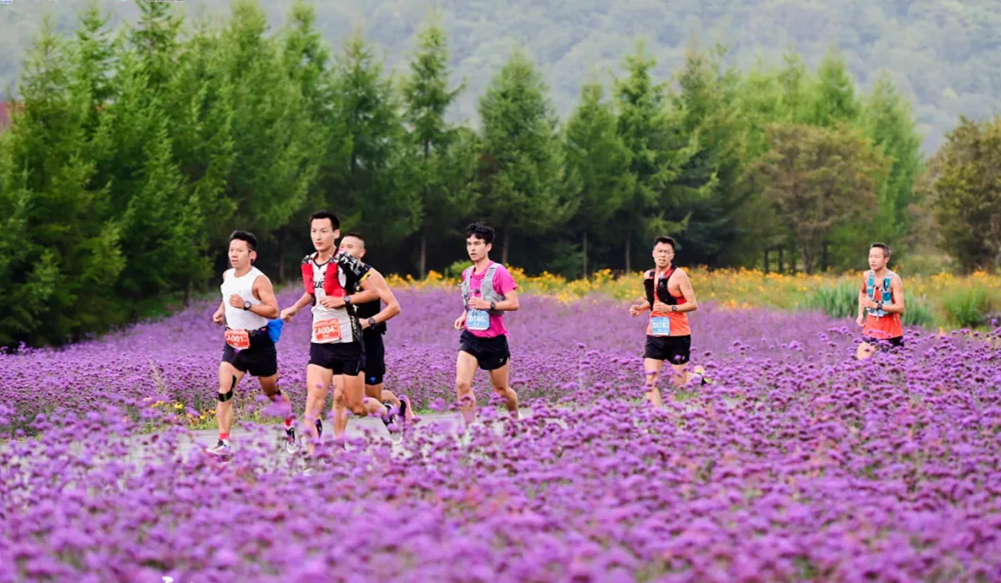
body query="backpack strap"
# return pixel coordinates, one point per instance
(466, 273)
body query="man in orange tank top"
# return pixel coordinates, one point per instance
(669, 296)
(880, 304)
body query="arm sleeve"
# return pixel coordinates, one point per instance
(355, 270)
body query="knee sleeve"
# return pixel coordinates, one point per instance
(223, 397)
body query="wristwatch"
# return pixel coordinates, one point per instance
(371, 322)
(674, 308)
(879, 305)
(493, 306)
(347, 300)
(246, 306)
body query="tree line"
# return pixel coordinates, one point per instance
(134, 152)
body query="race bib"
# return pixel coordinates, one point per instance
(478, 320)
(238, 339)
(660, 326)
(327, 331)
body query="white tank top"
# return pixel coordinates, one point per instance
(238, 318)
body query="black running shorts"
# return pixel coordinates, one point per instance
(490, 353)
(375, 358)
(260, 360)
(344, 358)
(671, 349)
(895, 342)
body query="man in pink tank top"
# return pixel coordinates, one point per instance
(488, 291)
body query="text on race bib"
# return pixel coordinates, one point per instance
(238, 339)
(478, 320)
(327, 331)
(660, 326)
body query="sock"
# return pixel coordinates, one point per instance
(224, 437)
(288, 421)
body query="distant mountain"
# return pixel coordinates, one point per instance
(944, 53)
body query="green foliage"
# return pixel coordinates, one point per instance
(965, 307)
(443, 158)
(373, 191)
(456, 268)
(967, 194)
(595, 158)
(837, 301)
(658, 151)
(707, 95)
(841, 301)
(917, 312)
(818, 180)
(943, 53)
(61, 255)
(521, 164)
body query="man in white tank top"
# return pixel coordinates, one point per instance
(334, 282)
(248, 301)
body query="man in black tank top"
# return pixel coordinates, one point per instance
(373, 318)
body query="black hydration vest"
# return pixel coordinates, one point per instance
(662, 294)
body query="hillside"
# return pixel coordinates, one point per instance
(944, 53)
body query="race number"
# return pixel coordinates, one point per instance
(327, 331)
(238, 339)
(478, 320)
(660, 326)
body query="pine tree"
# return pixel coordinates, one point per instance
(443, 174)
(596, 160)
(521, 164)
(658, 152)
(61, 256)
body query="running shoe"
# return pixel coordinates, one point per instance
(221, 449)
(406, 412)
(319, 429)
(291, 443)
(701, 373)
(389, 418)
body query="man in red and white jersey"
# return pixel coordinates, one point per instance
(333, 282)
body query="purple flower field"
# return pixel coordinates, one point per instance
(797, 464)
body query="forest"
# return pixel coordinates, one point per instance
(135, 148)
(942, 54)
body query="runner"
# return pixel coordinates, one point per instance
(248, 300)
(373, 319)
(336, 348)
(880, 304)
(488, 290)
(669, 296)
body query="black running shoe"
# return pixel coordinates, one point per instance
(291, 443)
(221, 449)
(390, 420)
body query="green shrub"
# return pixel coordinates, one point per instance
(966, 307)
(918, 312)
(837, 301)
(456, 269)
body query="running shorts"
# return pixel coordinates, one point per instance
(344, 358)
(260, 360)
(895, 342)
(375, 358)
(671, 349)
(490, 353)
